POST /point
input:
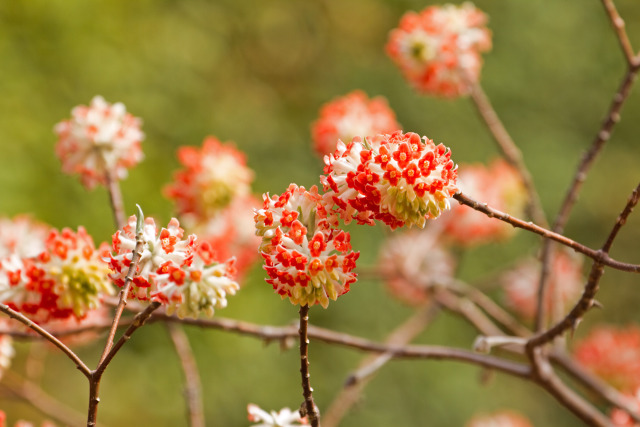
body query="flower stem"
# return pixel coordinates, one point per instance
(309, 405)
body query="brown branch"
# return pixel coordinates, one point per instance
(309, 406)
(282, 333)
(490, 307)
(135, 259)
(569, 398)
(193, 387)
(588, 159)
(369, 366)
(618, 25)
(115, 199)
(96, 375)
(97, 327)
(587, 300)
(597, 255)
(509, 150)
(594, 383)
(46, 335)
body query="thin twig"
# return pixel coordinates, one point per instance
(96, 375)
(509, 149)
(594, 383)
(371, 364)
(193, 387)
(621, 32)
(490, 307)
(46, 335)
(588, 159)
(282, 333)
(597, 255)
(587, 300)
(124, 292)
(115, 199)
(309, 406)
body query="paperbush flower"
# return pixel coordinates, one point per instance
(612, 354)
(499, 185)
(306, 260)
(621, 418)
(22, 236)
(412, 262)
(565, 279)
(283, 418)
(353, 114)
(212, 177)
(230, 232)
(500, 419)
(438, 49)
(172, 270)
(397, 179)
(69, 278)
(98, 138)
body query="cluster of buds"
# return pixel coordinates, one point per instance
(399, 179)
(499, 185)
(99, 139)
(212, 177)
(307, 260)
(351, 115)
(438, 49)
(68, 278)
(212, 195)
(613, 354)
(174, 271)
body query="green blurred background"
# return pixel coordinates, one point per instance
(256, 73)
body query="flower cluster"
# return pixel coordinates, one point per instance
(306, 259)
(565, 281)
(177, 272)
(212, 177)
(438, 49)
(397, 179)
(613, 355)
(99, 138)
(22, 236)
(500, 419)
(68, 278)
(351, 115)
(499, 185)
(414, 261)
(283, 418)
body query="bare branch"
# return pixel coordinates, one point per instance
(509, 149)
(597, 255)
(618, 25)
(193, 387)
(46, 335)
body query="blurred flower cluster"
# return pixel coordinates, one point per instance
(438, 49)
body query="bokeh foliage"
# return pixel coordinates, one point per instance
(256, 72)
